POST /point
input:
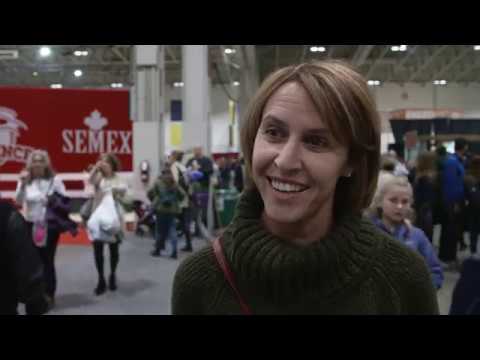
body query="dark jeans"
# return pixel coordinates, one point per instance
(474, 241)
(452, 232)
(165, 228)
(99, 259)
(185, 219)
(200, 209)
(425, 221)
(47, 255)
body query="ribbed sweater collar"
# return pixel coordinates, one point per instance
(278, 271)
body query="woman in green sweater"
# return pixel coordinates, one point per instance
(298, 243)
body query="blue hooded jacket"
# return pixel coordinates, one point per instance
(415, 239)
(453, 179)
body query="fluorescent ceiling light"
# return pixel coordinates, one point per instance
(45, 51)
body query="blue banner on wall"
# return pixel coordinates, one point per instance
(176, 110)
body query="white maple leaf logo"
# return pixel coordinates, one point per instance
(95, 121)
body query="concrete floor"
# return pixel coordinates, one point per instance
(144, 282)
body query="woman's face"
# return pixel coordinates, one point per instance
(106, 167)
(39, 165)
(296, 162)
(396, 204)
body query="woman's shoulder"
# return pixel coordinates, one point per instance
(195, 280)
(197, 268)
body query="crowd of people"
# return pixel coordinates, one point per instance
(444, 192)
(324, 224)
(177, 200)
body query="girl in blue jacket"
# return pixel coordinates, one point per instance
(393, 205)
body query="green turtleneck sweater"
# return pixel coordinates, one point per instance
(355, 269)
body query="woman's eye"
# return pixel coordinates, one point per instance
(316, 141)
(273, 133)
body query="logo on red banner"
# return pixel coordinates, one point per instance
(95, 140)
(10, 127)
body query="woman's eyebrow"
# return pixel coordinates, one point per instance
(272, 120)
(319, 131)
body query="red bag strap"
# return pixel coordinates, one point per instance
(222, 262)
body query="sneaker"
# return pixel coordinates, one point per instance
(187, 249)
(174, 256)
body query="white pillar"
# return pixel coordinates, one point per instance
(148, 106)
(249, 80)
(196, 98)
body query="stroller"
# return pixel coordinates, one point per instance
(146, 219)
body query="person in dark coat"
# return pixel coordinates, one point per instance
(425, 192)
(466, 296)
(472, 196)
(21, 270)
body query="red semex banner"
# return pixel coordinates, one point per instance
(74, 126)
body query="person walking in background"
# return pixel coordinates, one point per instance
(393, 205)
(472, 196)
(166, 197)
(203, 164)
(110, 194)
(37, 183)
(180, 176)
(201, 188)
(224, 173)
(21, 270)
(239, 175)
(425, 192)
(453, 204)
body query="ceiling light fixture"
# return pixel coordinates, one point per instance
(317, 49)
(45, 51)
(400, 48)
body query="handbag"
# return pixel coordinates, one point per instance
(58, 211)
(86, 210)
(223, 264)
(39, 233)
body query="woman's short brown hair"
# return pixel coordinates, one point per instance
(113, 160)
(344, 102)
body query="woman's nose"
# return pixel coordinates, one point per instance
(289, 157)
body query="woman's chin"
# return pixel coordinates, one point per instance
(282, 216)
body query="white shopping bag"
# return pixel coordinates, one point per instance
(104, 223)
